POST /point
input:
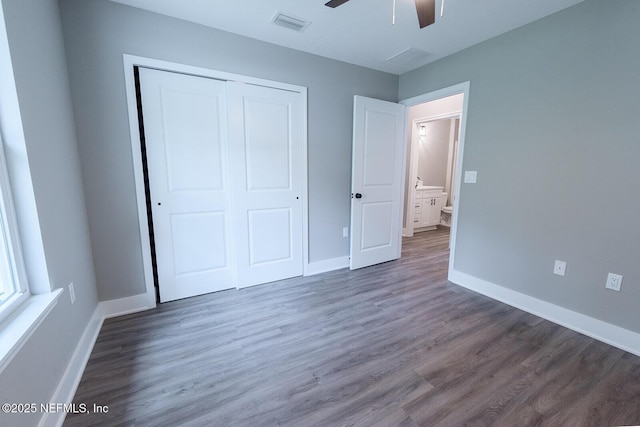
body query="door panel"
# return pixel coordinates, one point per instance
(198, 242)
(192, 140)
(377, 180)
(185, 133)
(268, 145)
(266, 134)
(270, 236)
(379, 153)
(376, 237)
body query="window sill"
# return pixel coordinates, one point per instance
(21, 324)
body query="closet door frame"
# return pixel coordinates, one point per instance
(148, 300)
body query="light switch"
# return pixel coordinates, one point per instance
(559, 268)
(470, 177)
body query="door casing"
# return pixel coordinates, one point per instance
(463, 88)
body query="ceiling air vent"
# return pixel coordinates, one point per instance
(290, 22)
(411, 57)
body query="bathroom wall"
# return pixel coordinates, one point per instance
(432, 109)
(433, 152)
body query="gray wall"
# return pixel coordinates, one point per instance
(36, 45)
(553, 132)
(98, 32)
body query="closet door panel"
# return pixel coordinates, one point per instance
(186, 146)
(266, 135)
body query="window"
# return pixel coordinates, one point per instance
(23, 306)
(13, 286)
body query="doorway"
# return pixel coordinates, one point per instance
(446, 107)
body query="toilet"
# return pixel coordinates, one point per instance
(445, 216)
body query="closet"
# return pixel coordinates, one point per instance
(224, 165)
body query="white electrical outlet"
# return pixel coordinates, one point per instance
(72, 293)
(559, 268)
(345, 232)
(614, 281)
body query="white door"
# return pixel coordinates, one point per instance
(266, 134)
(377, 181)
(185, 133)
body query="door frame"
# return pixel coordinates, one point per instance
(459, 88)
(131, 61)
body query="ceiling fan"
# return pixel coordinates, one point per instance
(426, 10)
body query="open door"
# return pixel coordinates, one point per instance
(377, 181)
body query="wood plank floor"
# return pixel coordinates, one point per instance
(390, 345)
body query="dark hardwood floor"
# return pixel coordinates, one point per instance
(389, 345)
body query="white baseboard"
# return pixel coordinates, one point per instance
(68, 385)
(610, 334)
(122, 306)
(327, 265)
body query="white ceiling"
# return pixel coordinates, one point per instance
(360, 31)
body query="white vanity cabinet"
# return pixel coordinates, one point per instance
(429, 201)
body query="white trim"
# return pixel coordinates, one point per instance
(410, 204)
(437, 94)
(128, 305)
(305, 183)
(17, 273)
(68, 385)
(463, 88)
(403, 181)
(449, 115)
(616, 336)
(16, 329)
(327, 265)
(451, 158)
(130, 61)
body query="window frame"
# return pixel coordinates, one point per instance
(9, 230)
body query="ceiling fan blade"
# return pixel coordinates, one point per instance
(335, 3)
(426, 12)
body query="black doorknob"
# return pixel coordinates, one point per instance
(358, 196)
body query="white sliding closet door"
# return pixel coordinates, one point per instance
(266, 134)
(225, 165)
(186, 147)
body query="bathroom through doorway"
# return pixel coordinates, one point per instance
(435, 126)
